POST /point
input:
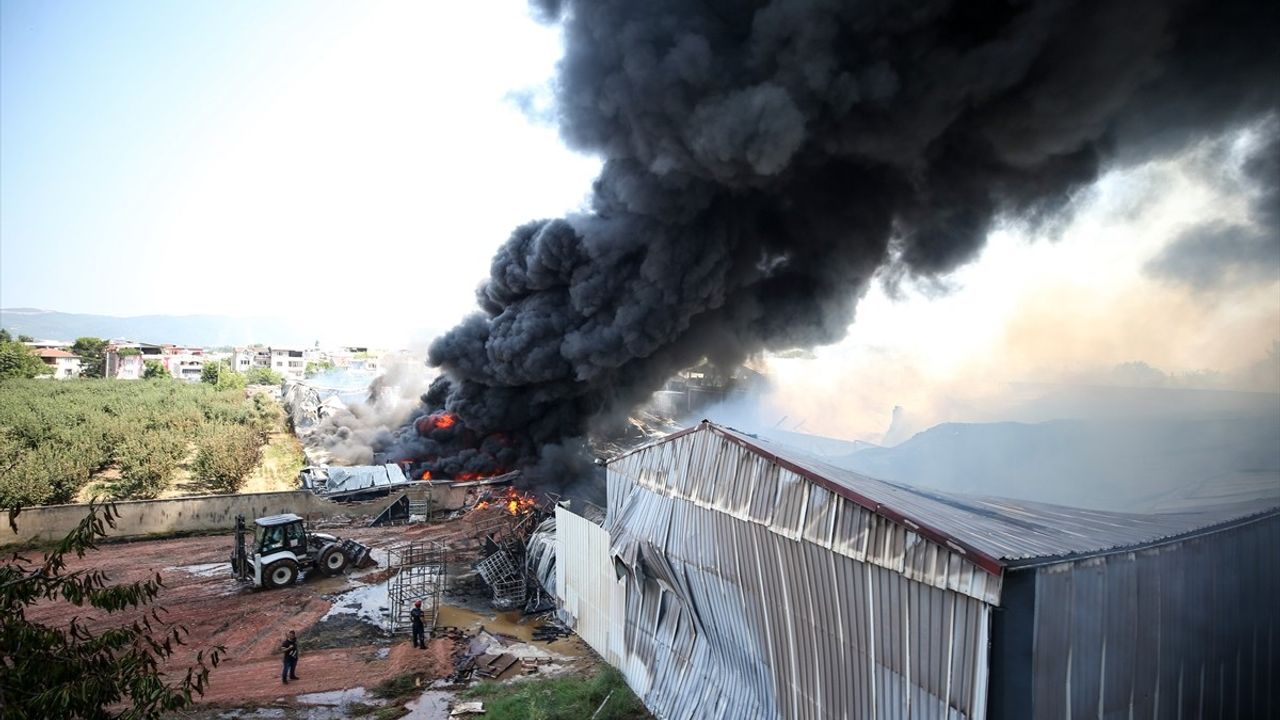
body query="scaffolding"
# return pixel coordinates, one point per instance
(418, 574)
(505, 577)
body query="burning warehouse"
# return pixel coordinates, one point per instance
(736, 578)
(764, 164)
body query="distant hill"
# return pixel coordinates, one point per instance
(1130, 465)
(202, 330)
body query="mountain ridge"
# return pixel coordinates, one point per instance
(202, 329)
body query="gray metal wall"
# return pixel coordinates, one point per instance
(748, 592)
(1182, 630)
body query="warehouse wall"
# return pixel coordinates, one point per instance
(586, 584)
(796, 606)
(1185, 629)
(139, 518)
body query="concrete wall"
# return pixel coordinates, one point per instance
(139, 518)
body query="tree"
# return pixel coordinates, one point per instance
(16, 361)
(147, 463)
(78, 670)
(154, 370)
(315, 368)
(26, 339)
(225, 454)
(5, 336)
(92, 353)
(220, 375)
(263, 376)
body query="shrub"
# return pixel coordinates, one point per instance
(225, 454)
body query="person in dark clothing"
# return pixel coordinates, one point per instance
(419, 632)
(290, 649)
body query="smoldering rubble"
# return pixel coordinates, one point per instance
(765, 162)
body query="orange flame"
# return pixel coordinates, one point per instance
(444, 420)
(511, 500)
(426, 475)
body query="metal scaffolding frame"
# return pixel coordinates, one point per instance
(505, 577)
(419, 574)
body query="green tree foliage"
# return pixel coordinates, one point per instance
(154, 370)
(55, 437)
(90, 669)
(225, 454)
(263, 376)
(221, 376)
(16, 361)
(92, 352)
(315, 368)
(5, 336)
(26, 339)
(147, 464)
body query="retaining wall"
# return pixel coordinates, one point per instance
(141, 518)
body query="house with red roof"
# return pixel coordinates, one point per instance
(60, 363)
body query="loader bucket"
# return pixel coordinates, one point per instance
(359, 553)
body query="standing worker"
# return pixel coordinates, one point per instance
(290, 648)
(419, 632)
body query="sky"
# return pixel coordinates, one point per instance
(359, 163)
(202, 157)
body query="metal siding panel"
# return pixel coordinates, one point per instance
(1052, 644)
(1086, 638)
(1167, 696)
(1149, 655)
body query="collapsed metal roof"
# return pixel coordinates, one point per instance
(994, 532)
(338, 480)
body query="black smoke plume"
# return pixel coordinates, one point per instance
(765, 161)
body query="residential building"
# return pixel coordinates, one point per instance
(184, 363)
(125, 359)
(291, 364)
(355, 358)
(60, 363)
(244, 359)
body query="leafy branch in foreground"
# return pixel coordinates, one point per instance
(79, 671)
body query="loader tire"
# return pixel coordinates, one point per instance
(280, 573)
(333, 561)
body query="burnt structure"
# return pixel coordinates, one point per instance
(734, 577)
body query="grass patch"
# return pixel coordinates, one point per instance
(569, 698)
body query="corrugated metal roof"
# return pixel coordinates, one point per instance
(994, 530)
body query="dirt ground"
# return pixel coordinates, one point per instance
(342, 652)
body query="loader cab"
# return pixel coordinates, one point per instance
(279, 532)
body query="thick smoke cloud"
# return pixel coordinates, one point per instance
(1218, 253)
(765, 161)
